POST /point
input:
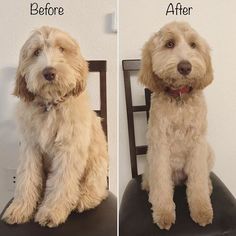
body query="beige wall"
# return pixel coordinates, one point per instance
(213, 19)
(88, 22)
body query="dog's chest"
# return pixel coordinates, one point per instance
(49, 129)
(183, 127)
(47, 126)
(41, 127)
(178, 127)
(179, 124)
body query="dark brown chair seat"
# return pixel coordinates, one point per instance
(101, 221)
(136, 216)
(135, 210)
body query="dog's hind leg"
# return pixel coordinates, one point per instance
(145, 183)
(93, 185)
(210, 163)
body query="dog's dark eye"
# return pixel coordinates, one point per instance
(61, 49)
(37, 52)
(193, 45)
(170, 44)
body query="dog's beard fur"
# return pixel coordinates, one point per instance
(64, 82)
(159, 63)
(58, 51)
(168, 74)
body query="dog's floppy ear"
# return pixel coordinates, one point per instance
(146, 75)
(21, 90)
(209, 72)
(81, 82)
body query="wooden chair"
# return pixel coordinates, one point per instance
(135, 210)
(100, 221)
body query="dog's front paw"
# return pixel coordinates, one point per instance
(164, 217)
(18, 213)
(50, 217)
(202, 213)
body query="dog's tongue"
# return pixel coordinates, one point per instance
(178, 92)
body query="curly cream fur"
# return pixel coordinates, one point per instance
(63, 160)
(177, 147)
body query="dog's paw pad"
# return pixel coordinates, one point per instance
(49, 218)
(164, 218)
(202, 215)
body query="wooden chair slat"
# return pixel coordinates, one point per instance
(139, 108)
(130, 66)
(100, 66)
(141, 150)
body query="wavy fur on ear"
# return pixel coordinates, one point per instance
(208, 78)
(82, 69)
(146, 74)
(21, 90)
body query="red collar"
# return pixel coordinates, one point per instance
(178, 92)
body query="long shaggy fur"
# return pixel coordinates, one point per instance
(177, 148)
(63, 160)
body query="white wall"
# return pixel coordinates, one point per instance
(85, 20)
(213, 19)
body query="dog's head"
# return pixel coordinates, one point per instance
(176, 57)
(50, 66)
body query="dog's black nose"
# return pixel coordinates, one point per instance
(49, 73)
(184, 67)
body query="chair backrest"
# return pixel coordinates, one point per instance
(130, 66)
(101, 67)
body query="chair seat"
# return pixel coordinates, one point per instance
(100, 221)
(136, 218)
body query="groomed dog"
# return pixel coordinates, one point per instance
(176, 66)
(63, 160)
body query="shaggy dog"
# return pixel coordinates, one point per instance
(63, 160)
(176, 66)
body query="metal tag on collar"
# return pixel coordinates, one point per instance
(48, 107)
(180, 95)
(179, 98)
